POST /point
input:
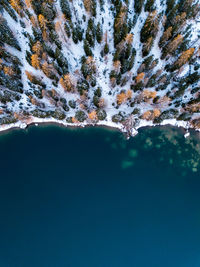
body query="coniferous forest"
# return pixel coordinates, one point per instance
(115, 62)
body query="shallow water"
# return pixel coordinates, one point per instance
(90, 198)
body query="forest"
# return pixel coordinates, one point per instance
(91, 61)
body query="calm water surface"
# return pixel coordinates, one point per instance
(89, 198)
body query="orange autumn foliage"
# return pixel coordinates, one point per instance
(140, 77)
(92, 115)
(129, 38)
(16, 6)
(149, 94)
(48, 69)
(166, 35)
(172, 46)
(87, 5)
(185, 56)
(129, 94)
(28, 3)
(33, 100)
(151, 114)
(156, 113)
(67, 83)
(117, 65)
(35, 62)
(37, 48)
(74, 120)
(147, 115)
(121, 98)
(33, 21)
(30, 76)
(42, 21)
(8, 71)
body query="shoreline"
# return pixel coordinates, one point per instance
(104, 124)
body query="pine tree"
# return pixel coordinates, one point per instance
(147, 46)
(172, 46)
(120, 25)
(66, 9)
(149, 6)
(150, 27)
(138, 6)
(99, 32)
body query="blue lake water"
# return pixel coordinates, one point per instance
(90, 198)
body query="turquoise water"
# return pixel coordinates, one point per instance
(89, 198)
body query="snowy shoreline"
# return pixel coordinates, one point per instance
(116, 72)
(108, 124)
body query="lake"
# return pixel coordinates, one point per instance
(91, 198)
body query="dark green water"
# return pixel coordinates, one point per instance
(89, 198)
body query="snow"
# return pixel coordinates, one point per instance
(73, 52)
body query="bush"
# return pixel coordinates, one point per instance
(8, 120)
(80, 116)
(72, 104)
(117, 118)
(184, 117)
(41, 114)
(136, 111)
(82, 86)
(97, 92)
(101, 114)
(58, 114)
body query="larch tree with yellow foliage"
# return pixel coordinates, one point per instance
(185, 56)
(37, 48)
(121, 98)
(139, 77)
(35, 61)
(93, 115)
(16, 5)
(67, 82)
